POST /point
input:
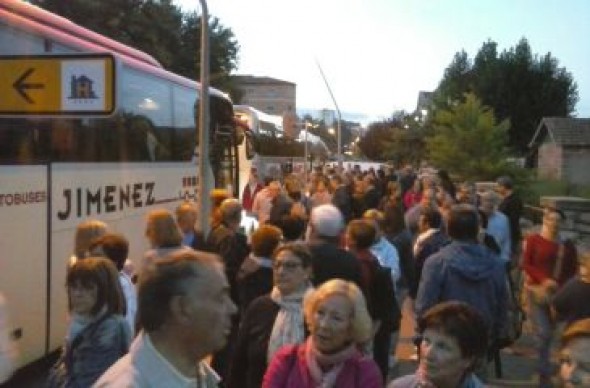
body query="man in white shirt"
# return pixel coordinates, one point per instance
(185, 312)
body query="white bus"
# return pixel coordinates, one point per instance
(58, 171)
(266, 147)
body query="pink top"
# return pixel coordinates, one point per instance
(411, 198)
(288, 369)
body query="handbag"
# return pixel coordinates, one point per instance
(542, 294)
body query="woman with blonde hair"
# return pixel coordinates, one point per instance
(339, 325)
(164, 236)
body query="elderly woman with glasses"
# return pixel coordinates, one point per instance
(273, 320)
(339, 325)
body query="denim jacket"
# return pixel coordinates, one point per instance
(91, 353)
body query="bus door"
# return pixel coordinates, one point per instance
(224, 160)
(24, 250)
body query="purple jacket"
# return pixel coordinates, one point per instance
(288, 369)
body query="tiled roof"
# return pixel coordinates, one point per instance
(563, 131)
(250, 79)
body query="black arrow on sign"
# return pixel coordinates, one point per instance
(21, 86)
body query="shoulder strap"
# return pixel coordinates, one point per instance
(78, 340)
(559, 262)
(91, 327)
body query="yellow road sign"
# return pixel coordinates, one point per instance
(57, 85)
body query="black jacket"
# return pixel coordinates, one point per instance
(199, 243)
(512, 206)
(252, 285)
(329, 262)
(343, 201)
(233, 249)
(248, 362)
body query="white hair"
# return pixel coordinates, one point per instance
(327, 220)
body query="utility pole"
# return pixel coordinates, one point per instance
(204, 172)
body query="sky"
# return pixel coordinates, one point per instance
(378, 54)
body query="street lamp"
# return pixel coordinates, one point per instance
(339, 129)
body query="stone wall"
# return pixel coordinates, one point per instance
(577, 212)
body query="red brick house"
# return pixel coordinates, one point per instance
(563, 146)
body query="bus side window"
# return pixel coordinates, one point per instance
(139, 146)
(185, 131)
(19, 142)
(63, 141)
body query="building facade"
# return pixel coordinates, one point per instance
(563, 146)
(270, 95)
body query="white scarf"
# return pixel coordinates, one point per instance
(289, 326)
(421, 238)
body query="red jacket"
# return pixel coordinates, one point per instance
(248, 196)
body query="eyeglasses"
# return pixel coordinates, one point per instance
(286, 265)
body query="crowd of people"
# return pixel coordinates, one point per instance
(313, 296)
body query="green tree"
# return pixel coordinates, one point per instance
(159, 28)
(399, 139)
(404, 146)
(517, 84)
(223, 52)
(468, 141)
(372, 143)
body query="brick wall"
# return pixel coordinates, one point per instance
(550, 161)
(576, 165)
